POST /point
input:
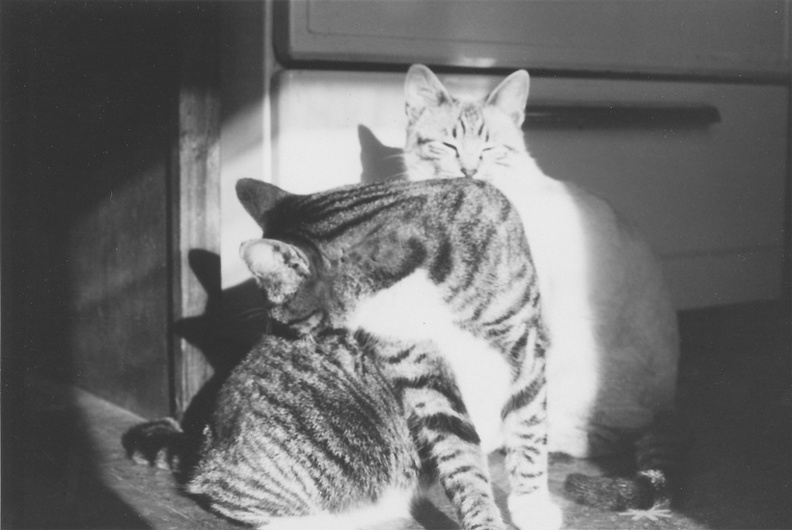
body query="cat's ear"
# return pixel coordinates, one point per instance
(258, 197)
(422, 89)
(511, 96)
(279, 268)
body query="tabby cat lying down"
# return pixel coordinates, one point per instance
(436, 280)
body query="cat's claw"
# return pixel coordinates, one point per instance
(653, 514)
(535, 512)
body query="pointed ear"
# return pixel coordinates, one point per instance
(511, 96)
(279, 268)
(258, 197)
(423, 89)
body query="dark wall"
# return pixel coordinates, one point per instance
(89, 123)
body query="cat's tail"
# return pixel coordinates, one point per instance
(658, 452)
(161, 443)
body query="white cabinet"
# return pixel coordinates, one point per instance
(736, 38)
(709, 196)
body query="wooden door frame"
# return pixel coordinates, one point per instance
(194, 194)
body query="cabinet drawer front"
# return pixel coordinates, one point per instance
(709, 195)
(717, 37)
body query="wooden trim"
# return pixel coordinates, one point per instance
(271, 68)
(786, 229)
(195, 192)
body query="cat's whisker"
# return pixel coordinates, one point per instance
(254, 319)
(248, 311)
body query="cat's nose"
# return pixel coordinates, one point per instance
(469, 171)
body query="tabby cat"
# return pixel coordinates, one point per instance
(436, 278)
(305, 433)
(612, 362)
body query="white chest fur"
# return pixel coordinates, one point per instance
(414, 310)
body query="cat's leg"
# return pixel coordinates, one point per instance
(446, 438)
(525, 441)
(449, 447)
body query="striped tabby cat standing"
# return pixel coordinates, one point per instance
(612, 361)
(436, 280)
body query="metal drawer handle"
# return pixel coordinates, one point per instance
(620, 115)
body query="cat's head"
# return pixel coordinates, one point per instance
(449, 137)
(312, 266)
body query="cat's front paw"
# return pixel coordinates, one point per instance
(157, 443)
(535, 512)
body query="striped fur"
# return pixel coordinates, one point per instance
(305, 433)
(437, 279)
(613, 360)
(302, 428)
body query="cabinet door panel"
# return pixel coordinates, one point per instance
(731, 37)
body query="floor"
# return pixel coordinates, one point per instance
(734, 383)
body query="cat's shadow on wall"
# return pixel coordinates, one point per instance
(378, 161)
